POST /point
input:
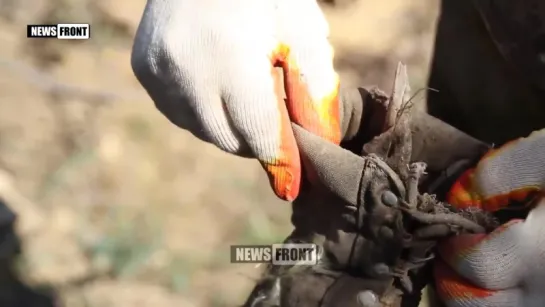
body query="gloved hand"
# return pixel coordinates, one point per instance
(209, 66)
(506, 267)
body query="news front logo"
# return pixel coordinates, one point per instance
(277, 254)
(60, 31)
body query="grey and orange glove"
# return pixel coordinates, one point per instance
(505, 268)
(210, 68)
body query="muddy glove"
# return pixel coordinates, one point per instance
(354, 214)
(506, 267)
(209, 66)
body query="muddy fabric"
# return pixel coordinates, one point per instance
(348, 219)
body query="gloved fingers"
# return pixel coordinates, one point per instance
(456, 291)
(258, 112)
(214, 124)
(511, 172)
(306, 57)
(509, 263)
(313, 97)
(491, 261)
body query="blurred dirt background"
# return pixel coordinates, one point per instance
(117, 206)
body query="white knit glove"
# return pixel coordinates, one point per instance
(209, 67)
(505, 268)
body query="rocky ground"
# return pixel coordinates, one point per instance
(117, 206)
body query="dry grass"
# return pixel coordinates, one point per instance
(119, 207)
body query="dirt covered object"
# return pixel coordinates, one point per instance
(375, 229)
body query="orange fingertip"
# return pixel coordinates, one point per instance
(284, 179)
(451, 286)
(462, 195)
(284, 171)
(320, 117)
